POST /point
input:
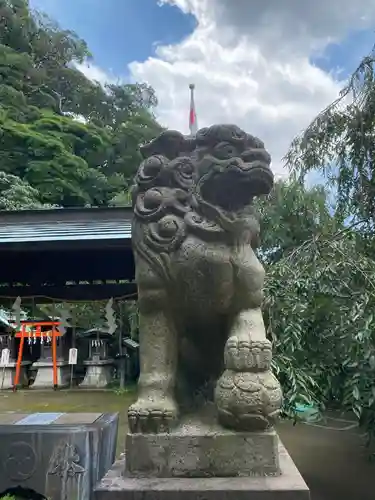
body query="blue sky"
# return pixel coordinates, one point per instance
(120, 31)
(345, 56)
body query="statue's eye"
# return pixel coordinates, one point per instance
(225, 150)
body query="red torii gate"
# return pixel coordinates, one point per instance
(38, 332)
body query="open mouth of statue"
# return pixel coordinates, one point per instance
(235, 187)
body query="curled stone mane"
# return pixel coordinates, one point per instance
(161, 197)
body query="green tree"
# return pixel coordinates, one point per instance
(319, 304)
(334, 274)
(53, 154)
(68, 137)
(290, 216)
(16, 194)
(340, 144)
(319, 312)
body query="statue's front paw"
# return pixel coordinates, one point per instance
(152, 416)
(243, 355)
(248, 401)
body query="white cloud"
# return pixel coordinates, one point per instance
(94, 73)
(278, 25)
(250, 62)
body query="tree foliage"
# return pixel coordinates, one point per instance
(16, 194)
(73, 140)
(291, 215)
(319, 304)
(340, 143)
(321, 295)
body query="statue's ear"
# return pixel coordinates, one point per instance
(169, 144)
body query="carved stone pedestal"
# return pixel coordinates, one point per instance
(44, 377)
(199, 450)
(61, 456)
(98, 374)
(287, 485)
(8, 373)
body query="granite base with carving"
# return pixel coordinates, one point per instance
(8, 374)
(196, 449)
(44, 376)
(288, 485)
(59, 455)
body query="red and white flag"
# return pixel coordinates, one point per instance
(193, 125)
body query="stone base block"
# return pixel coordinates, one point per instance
(202, 450)
(8, 375)
(44, 377)
(289, 485)
(98, 374)
(61, 456)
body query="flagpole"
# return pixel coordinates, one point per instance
(193, 125)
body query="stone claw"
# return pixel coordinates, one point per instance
(145, 418)
(243, 355)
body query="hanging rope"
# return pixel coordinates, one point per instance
(56, 299)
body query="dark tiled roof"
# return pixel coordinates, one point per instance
(29, 226)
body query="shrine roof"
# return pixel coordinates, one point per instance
(95, 332)
(69, 224)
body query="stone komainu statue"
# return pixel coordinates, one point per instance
(202, 336)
